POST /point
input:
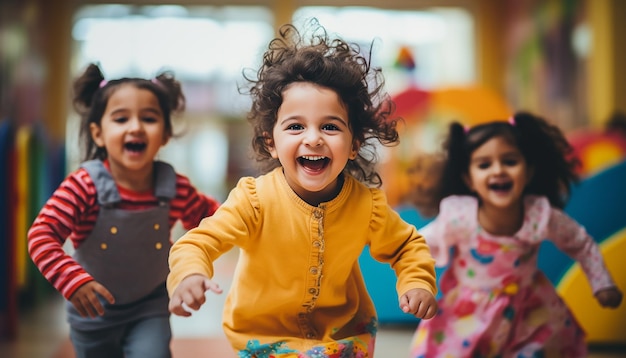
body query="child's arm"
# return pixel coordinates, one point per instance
(573, 239)
(394, 241)
(231, 225)
(61, 215)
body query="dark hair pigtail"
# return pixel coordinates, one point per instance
(457, 161)
(87, 90)
(549, 154)
(173, 89)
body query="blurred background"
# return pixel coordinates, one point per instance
(465, 60)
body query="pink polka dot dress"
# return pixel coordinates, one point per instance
(495, 301)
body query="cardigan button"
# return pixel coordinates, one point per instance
(113, 230)
(156, 226)
(158, 246)
(314, 270)
(103, 246)
(310, 335)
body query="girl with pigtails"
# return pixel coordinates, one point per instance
(117, 210)
(504, 186)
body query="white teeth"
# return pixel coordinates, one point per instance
(313, 157)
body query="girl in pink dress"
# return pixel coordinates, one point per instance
(505, 184)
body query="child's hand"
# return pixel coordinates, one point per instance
(190, 292)
(419, 302)
(609, 297)
(86, 301)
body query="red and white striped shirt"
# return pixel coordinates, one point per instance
(72, 211)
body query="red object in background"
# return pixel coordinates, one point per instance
(412, 103)
(470, 105)
(597, 150)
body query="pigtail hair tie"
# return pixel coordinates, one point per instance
(157, 82)
(511, 121)
(103, 83)
(466, 129)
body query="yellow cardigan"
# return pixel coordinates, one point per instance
(297, 279)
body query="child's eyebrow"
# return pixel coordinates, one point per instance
(338, 119)
(154, 110)
(480, 159)
(506, 155)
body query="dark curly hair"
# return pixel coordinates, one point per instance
(92, 93)
(542, 144)
(331, 63)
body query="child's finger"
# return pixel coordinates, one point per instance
(430, 312)
(92, 306)
(212, 286)
(404, 304)
(176, 307)
(102, 291)
(79, 308)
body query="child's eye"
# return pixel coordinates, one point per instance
(120, 119)
(295, 127)
(150, 119)
(330, 127)
(510, 162)
(484, 165)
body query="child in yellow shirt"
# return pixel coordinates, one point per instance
(318, 110)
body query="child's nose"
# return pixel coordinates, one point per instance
(135, 124)
(498, 167)
(312, 138)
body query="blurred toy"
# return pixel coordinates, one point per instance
(599, 150)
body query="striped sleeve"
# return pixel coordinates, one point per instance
(190, 206)
(70, 212)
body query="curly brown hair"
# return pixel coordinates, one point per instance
(334, 64)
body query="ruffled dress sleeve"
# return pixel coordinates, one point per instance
(456, 221)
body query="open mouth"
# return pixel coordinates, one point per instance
(135, 147)
(314, 162)
(501, 187)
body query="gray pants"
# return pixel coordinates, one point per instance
(149, 337)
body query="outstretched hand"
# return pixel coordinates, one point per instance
(85, 299)
(419, 302)
(609, 297)
(190, 293)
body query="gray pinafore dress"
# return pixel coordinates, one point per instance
(127, 251)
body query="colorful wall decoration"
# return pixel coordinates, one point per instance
(598, 150)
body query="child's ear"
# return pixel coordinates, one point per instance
(356, 145)
(269, 144)
(96, 134)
